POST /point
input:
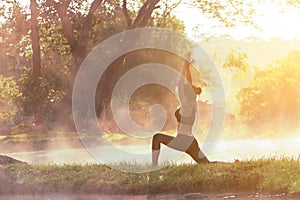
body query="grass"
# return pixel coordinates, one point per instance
(264, 175)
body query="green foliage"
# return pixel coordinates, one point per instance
(108, 22)
(44, 91)
(294, 3)
(14, 38)
(9, 94)
(272, 99)
(237, 63)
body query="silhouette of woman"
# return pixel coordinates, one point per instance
(184, 140)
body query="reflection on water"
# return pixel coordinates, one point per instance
(223, 151)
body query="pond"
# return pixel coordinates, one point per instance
(227, 151)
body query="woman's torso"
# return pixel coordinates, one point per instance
(185, 123)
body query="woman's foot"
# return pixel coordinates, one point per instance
(204, 160)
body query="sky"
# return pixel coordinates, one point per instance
(274, 21)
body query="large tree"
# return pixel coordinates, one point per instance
(84, 27)
(79, 37)
(77, 26)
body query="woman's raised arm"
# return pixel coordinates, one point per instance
(184, 74)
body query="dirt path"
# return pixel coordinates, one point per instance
(230, 196)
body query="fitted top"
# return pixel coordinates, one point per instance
(185, 120)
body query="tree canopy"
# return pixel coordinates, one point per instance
(272, 99)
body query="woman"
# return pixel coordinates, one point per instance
(184, 141)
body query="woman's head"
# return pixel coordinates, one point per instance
(197, 90)
(191, 91)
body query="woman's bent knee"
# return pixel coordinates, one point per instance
(156, 140)
(160, 138)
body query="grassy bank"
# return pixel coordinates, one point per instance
(269, 175)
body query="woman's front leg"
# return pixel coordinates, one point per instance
(155, 155)
(158, 139)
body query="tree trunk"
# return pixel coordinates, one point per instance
(142, 19)
(36, 55)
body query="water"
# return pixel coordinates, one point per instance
(224, 151)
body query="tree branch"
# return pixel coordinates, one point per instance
(167, 10)
(62, 10)
(36, 54)
(88, 20)
(126, 14)
(144, 13)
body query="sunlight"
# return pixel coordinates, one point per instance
(278, 22)
(95, 99)
(274, 21)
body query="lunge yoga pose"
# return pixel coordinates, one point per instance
(184, 141)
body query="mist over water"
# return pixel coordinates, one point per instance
(228, 151)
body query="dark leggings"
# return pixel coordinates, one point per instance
(185, 143)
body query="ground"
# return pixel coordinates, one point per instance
(8, 160)
(210, 196)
